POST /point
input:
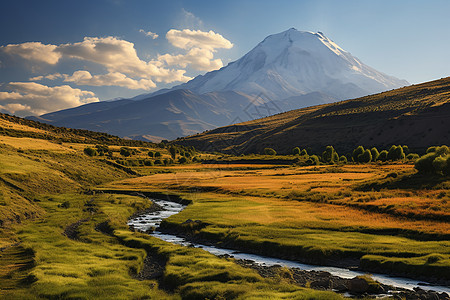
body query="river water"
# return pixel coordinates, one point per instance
(153, 219)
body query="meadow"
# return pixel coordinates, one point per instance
(352, 215)
(60, 238)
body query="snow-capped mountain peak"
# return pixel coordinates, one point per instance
(294, 63)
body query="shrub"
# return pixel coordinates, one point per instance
(365, 157)
(412, 156)
(357, 152)
(151, 153)
(313, 160)
(158, 162)
(405, 149)
(383, 155)
(330, 155)
(396, 153)
(157, 154)
(439, 164)
(304, 152)
(124, 151)
(269, 151)
(436, 160)
(148, 162)
(296, 151)
(90, 151)
(431, 149)
(102, 149)
(166, 161)
(182, 160)
(173, 152)
(343, 159)
(425, 163)
(375, 153)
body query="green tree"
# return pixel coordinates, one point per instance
(329, 155)
(304, 152)
(365, 157)
(343, 159)
(151, 153)
(125, 151)
(90, 151)
(313, 160)
(269, 151)
(182, 160)
(173, 152)
(383, 155)
(357, 152)
(375, 153)
(157, 154)
(296, 151)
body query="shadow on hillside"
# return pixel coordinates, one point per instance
(414, 181)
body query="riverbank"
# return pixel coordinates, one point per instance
(319, 215)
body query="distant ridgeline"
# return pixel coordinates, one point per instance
(417, 116)
(19, 127)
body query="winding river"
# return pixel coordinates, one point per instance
(153, 219)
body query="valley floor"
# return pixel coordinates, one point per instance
(63, 231)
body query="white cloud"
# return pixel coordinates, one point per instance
(149, 33)
(120, 56)
(201, 46)
(114, 54)
(199, 59)
(187, 39)
(35, 51)
(110, 79)
(49, 76)
(30, 98)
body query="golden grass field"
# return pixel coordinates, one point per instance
(326, 210)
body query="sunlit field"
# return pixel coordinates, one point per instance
(325, 214)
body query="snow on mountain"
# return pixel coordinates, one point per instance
(293, 68)
(293, 63)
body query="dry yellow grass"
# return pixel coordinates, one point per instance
(33, 144)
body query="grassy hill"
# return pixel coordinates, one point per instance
(61, 239)
(417, 115)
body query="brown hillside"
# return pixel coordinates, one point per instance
(417, 115)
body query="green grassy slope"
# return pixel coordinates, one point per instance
(61, 240)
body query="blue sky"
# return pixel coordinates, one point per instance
(46, 62)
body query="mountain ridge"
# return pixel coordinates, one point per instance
(417, 115)
(288, 70)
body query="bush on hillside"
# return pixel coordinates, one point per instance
(375, 153)
(269, 151)
(90, 151)
(383, 155)
(296, 151)
(357, 152)
(313, 160)
(330, 156)
(437, 160)
(365, 157)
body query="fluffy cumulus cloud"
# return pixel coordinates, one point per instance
(30, 98)
(35, 51)
(200, 59)
(116, 55)
(187, 39)
(111, 79)
(119, 56)
(201, 46)
(122, 67)
(149, 33)
(49, 76)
